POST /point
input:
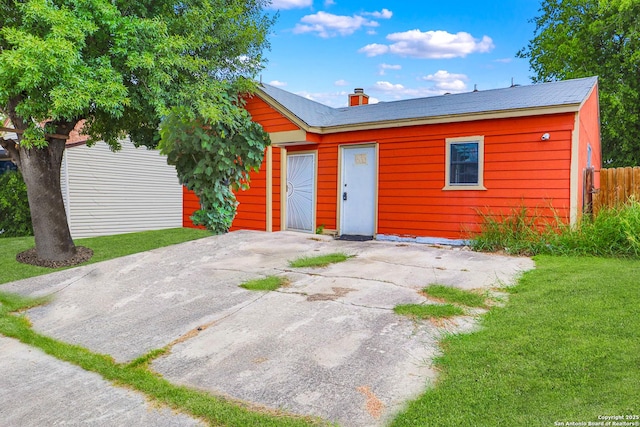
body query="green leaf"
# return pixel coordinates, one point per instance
(582, 38)
(211, 165)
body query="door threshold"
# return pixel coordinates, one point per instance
(354, 238)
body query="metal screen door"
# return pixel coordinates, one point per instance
(301, 191)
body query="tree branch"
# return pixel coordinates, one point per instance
(11, 146)
(20, 132)
(18, 122)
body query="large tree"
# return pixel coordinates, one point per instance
(119, 67)
(579, 38)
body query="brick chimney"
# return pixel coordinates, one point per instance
(358, 97)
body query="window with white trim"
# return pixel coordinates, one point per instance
(464, 166)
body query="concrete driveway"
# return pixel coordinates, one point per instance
(327, 345)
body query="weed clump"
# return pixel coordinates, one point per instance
(319, 261)
(270, 283)
(613, 232)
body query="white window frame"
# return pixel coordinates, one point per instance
(479, 139)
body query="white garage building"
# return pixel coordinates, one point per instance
(107, 193)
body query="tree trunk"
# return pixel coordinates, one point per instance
(40, 169)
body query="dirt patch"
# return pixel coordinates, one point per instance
(31, 257)
(374, 405)
(337, 293)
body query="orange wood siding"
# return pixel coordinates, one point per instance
(190, 204)
(590, 135)
(270, 119)
(252, 210)
(519, 170)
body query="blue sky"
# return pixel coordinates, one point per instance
(397, 49)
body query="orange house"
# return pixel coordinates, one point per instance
(420, 169)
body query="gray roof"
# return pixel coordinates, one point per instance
(554, 94)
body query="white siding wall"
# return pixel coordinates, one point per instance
(131, 190)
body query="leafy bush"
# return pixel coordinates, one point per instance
(214, 156)
(613, 232)
(219, 216)
(15, 217)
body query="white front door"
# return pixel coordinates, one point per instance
(358, 191)
(301, 170)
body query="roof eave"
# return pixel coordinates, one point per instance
(450, 118)
(282, 109)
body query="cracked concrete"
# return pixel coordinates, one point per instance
(328, 344)
(40, 390)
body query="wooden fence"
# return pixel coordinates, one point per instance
(616, 186)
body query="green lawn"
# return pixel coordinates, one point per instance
(104, 248)
(565, 348)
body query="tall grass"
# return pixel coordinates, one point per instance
(613, 232)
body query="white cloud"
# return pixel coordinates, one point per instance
(332, 99)
(388, 87)
(503, 60)
(329, 3)
(384, 67)
(374, 49)
(338, 99)
(444, 82)
(290, 4)
(448, 82)
(440, 82)
(330, 25)
(391, 91)
(277, 83)
(383, 14)
(430, 45)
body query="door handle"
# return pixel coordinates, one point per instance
(344, 196)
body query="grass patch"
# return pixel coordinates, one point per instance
(104, 248)
(11, 302)
(319, 261)
(215, 410)
(455, 295)
(145, 359)
(270, 283)
(564, 348)
(428, 311)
